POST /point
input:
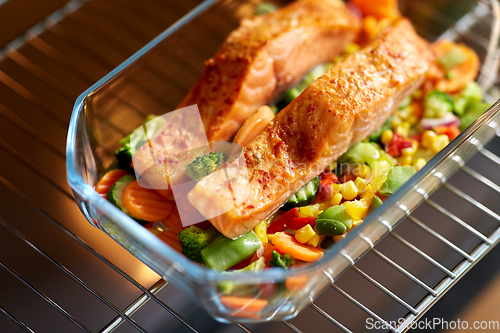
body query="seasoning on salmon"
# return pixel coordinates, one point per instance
(258, 61)
(342, 107)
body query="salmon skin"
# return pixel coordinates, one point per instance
(265, 56)
(257, 62)
(342, 107)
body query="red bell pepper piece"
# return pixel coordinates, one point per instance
(301, 222)
(325, 192)
(452, 131)
(382, 197)
(242, 264)
(397, 144)
(283, 222)
(324, 183)
(329, 175)
(416, 137)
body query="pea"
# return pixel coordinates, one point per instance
(329, 227)
(337, 213)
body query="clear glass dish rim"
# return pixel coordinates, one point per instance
(198, 272)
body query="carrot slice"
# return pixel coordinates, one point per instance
(286, 243)
(145, 203)
(173, 221)
(108, 180)
(172, 239)
(379, 8)
(459, 76)
(296, 282)
(245, 304)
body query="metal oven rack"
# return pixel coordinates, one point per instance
(60, 274)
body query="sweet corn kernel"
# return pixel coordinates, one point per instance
(356, 222)
(349, 190)
(315, 240)
(336, 199)
(360, 184)
(352, 48)
(386, 137)
(412, 119)
(364, 170)
(403, 129)
(304, 234)
(427, 137)
(419, 164)
(410, 151)
(439, 142)
(395, 121)
(405, 112)
(405, 160)
(338, 238)
(335, 187)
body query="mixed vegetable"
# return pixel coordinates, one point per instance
(328, 207)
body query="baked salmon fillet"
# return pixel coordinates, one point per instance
(340, 108)
(265, 56)
(258, 61)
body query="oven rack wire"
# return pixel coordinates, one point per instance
(66, 29)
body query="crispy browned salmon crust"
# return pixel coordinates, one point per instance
(342, 107)
(265, 56)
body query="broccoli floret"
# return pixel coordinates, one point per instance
(204, 165)
(281, 261)
(132, 142)
(437, 104)
(194, 239)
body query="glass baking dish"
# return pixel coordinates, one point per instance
(156, 78)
